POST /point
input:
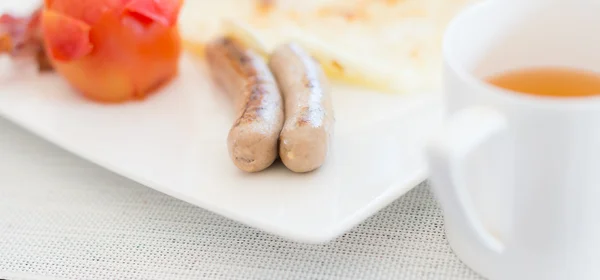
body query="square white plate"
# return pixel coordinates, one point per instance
(175, 143)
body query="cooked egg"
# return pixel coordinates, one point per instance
(383, 44)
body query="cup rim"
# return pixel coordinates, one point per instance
(565, 103)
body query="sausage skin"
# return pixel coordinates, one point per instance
(304, 142)
(252, 140)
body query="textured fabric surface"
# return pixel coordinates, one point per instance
(62, 217)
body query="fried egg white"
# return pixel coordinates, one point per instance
(401, 39)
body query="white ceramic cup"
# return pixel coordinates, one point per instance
(518, 176)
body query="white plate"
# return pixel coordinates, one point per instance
(174, 142)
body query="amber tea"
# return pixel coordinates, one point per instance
(553, 82)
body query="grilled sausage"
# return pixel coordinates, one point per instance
(252, 140)
(304, 141)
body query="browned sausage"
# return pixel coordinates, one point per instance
(305, 139)
(252, 140)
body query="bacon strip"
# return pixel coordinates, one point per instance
(22, 37)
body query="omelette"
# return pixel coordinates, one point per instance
(385, 45)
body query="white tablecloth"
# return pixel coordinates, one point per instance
(62, 217)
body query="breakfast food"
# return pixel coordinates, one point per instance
(351, 70)
(337, 65)
(21, 37)
(244, 34)
(113, 51)
(305, 139)
(378, 45)
(252, 140)
(119, 50)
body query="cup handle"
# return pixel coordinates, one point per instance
(463, 133)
